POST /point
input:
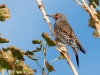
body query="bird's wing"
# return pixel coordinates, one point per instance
(61, 29)
(67, 29)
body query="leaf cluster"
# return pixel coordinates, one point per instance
(4, 12)
(91, 22)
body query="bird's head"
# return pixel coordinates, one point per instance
(58, 16)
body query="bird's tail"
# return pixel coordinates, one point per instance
(81, 48)
(76, 55)
(77, 59)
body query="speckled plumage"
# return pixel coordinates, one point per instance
(65, 34)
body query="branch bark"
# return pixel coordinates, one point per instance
(61, 48)
(93, 14)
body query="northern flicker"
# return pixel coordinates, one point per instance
(65, 34)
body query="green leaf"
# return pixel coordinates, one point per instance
(47, 38)
(18, 66)
(4, 13)
(17, 54)
(61, 57)
(95, 33)
(6, 64)
(49, 67)
(98, 14)
(36, 41)
(21, 67)
(4, 49)
(91, 23)
(29, 53)
(95, 3)
(3, 40)
(37, 49)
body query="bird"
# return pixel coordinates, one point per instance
(65, 34)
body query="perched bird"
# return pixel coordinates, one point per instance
(65, 34)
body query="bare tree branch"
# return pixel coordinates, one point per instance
(78, 3)
(61, 48)
(93, 14)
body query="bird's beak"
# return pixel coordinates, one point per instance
(53, 16)
(50, 16)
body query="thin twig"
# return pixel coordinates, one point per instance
(39, 65)
(48, 73)
(2, 72)
(78, 3)
(32, 59)
(44, 51)
(38, 57)
(41, 7)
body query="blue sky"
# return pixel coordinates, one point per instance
(26, 23)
